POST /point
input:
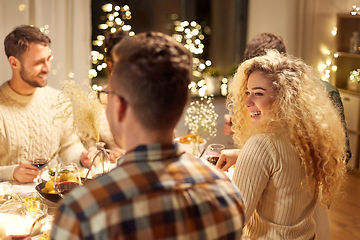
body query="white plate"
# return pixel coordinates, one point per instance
(46, 177)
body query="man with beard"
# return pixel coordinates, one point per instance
(26, 108)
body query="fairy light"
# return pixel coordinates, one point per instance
(21, 7)
(355, 10)
(328, 66)
(224, 87)
(334, 31)
(116, 17)
(191, 35)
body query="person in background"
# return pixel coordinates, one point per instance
(156, 191)
(26, 107)
(257, 47)
(115, 151)
(292, 155)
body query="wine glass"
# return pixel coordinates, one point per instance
(213, 152)
(67, 177)
(39, 157)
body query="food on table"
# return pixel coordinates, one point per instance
(45, 235)
(83, 174)
(31, 202)
(66, 180)
(52, 172)
(212, 159)
(11, 206)
(49, 187)
(68, 176)
(189, 138)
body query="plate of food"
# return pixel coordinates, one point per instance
(49, 174)
(47, 191)
(185, 141)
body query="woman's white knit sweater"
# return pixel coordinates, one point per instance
(268, 173)
(25, 118)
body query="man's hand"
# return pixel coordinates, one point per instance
(227, 158)
(25, 172)
(227, 126)
(86, 157)
(115, 154)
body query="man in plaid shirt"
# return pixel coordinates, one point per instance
(157, 191)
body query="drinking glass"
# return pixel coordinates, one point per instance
(39, 157)
(213, 152)
(67, 177)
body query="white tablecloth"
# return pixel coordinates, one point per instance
(18, 188)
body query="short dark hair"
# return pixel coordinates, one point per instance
(153, 73)
(19, 40)
(262, 42)
(111, 39)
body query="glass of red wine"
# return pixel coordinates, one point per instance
(67, 177)
(39, 157)
(213, 152)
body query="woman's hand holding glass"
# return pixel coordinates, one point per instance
(227, 158)
(213, 151)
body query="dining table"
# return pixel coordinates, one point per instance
(24, 188)
(20, 223)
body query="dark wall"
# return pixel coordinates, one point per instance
(227, 20)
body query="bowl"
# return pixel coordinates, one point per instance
(31, 201)
(187, 147)
(49, 196)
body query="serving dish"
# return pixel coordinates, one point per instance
(53, 197)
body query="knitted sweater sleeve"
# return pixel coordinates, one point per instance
(6, 172)
(253, 170)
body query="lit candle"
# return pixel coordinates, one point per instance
(16, 225)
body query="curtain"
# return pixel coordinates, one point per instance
(66, 22)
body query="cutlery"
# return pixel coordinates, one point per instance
(37, 221)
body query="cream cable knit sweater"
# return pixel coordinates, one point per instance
(268, 173)
(31, 117)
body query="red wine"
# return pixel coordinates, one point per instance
(39, 163)
(212, 159)
(65, 187)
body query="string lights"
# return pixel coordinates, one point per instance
(116, 16)
(355, 10)
(328, 66)
(192, 35)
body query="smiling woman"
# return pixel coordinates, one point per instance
(292, 156)
(261, 96)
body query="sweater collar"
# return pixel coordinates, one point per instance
(11, 94)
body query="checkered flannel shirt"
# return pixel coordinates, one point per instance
(156, 192)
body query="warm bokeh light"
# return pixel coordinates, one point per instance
(21, 7)
(334, 31)
(115, 20)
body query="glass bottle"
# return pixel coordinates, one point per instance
(101, 161)
(355, 43)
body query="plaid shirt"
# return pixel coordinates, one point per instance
(156, 192)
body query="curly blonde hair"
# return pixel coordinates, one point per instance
(303, 110)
